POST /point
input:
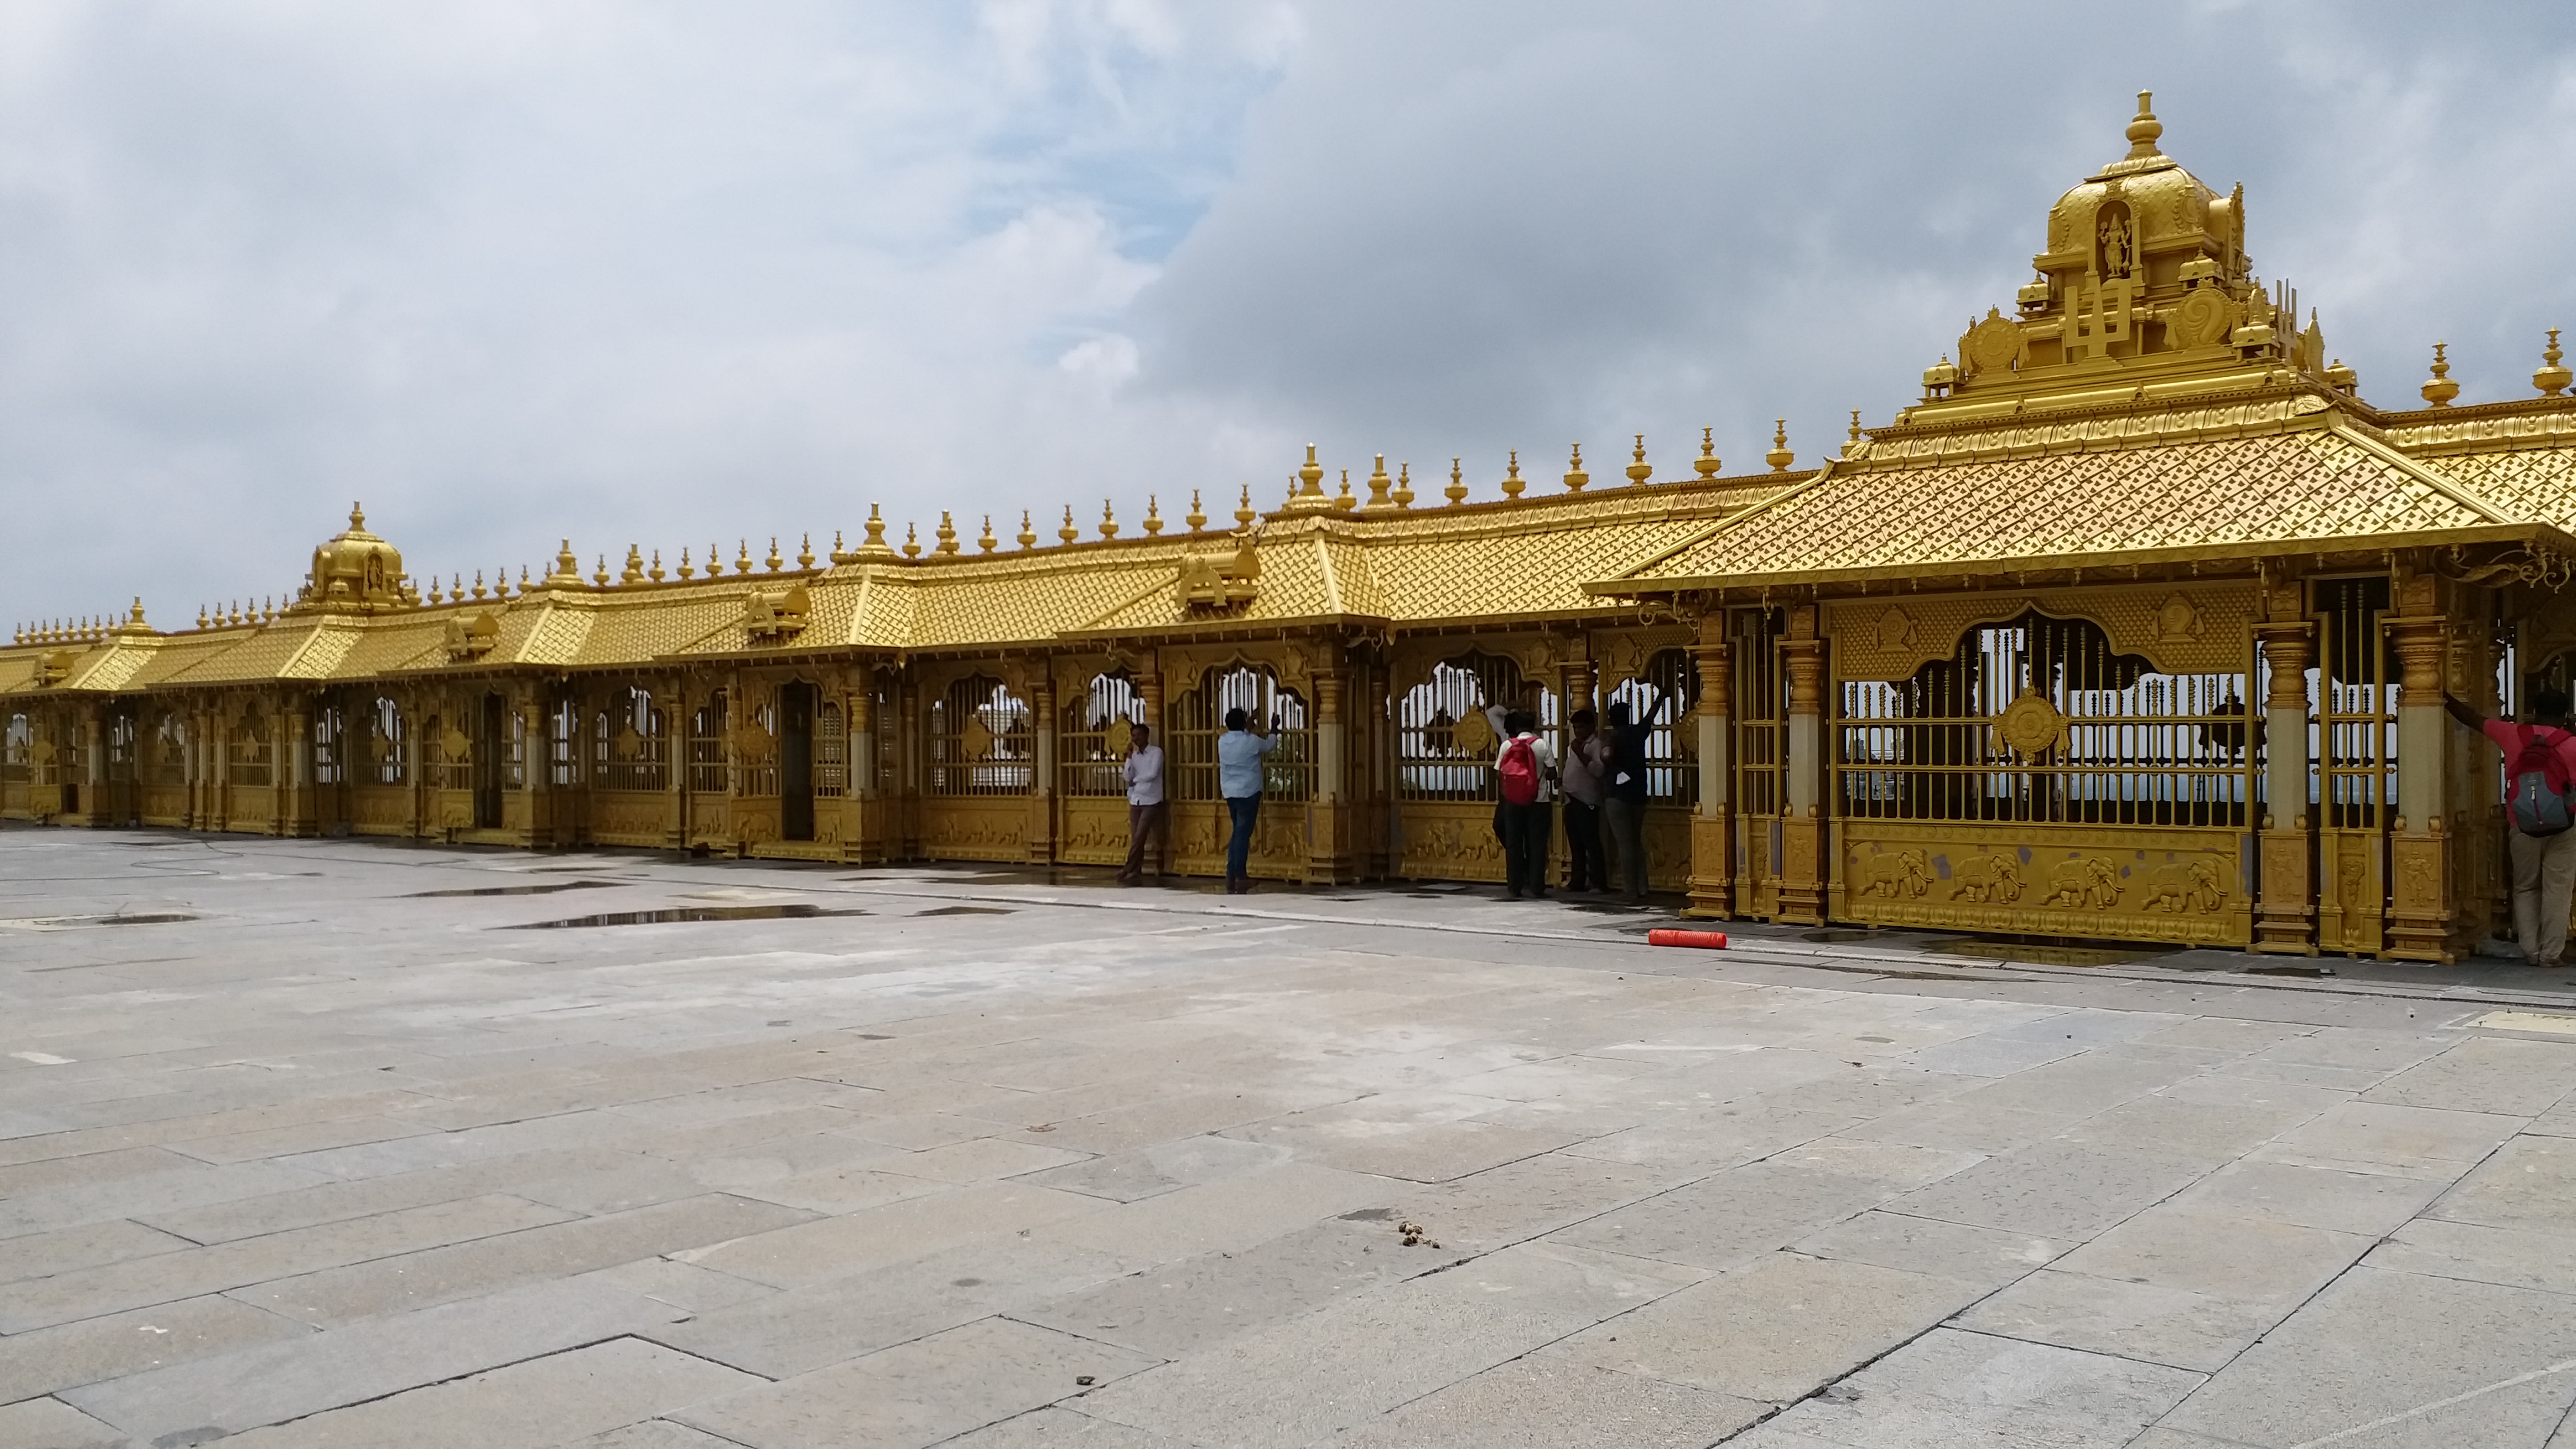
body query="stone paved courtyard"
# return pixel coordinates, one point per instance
(314, 1143)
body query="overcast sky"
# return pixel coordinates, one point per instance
(667, 273)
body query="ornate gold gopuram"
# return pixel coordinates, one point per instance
(2134, 627)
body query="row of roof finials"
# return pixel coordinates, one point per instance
(1305, 487)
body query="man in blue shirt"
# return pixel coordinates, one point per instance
(1238, 778)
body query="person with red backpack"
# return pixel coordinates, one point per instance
(2539, 773)
(1525, 788)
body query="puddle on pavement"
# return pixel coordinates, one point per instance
(72, 923)
(967, 911)
(1840, 938)
(2309, 971)
(682, 915)
(2049, 955)
(526, 890)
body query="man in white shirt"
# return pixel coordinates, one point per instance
(1239, 752)
(1146, 815)
(1524, 762)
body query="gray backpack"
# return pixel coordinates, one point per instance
(2539, 776)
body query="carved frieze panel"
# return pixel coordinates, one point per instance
(2107, 883)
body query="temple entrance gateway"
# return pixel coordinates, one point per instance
(1446, 793)
(980, 771)
(796, 761)
(1199, 824)
(486, 757)
(2353, 795)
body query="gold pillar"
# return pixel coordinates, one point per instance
(1712, 885)
(1803, 824)
(2420, 911)
(94, 783)
(1328, 855)
(2285, 918)
(1042, 726)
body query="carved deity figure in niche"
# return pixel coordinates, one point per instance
(2118, 244)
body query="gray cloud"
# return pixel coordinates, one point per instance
(667, 274)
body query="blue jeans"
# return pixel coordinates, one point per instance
(1238, 847)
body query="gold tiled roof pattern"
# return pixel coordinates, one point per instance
(397, 642)
(2536, 482)
(113, 668)
(324, 652)
(2314, 484)
(181, 653)
(260, 654)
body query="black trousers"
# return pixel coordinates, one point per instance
(1526, 829)
(1626, 822)
(1587, 867)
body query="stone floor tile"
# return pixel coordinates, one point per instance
(447, 1149)
(69, 1355)
(1327, 1371)
(1953, 1390)
(329, 1200)
(653, 1434)
(1552, 1401)
(2150, 1322)
(2366, 1134)
(1991, 1054)
(2054, 1190)
(2527, 1184)
(1063, 1428)
(1954, 1124)
(2253, 1259)
(2514, 1257)
(1709, 1139)
(1127, 1128)
(2079, 1086)
(49, 1174)
(1518, 1200)
(1985, 1256)
(2177, 1127)
(682, 1285)
(1198, 1303)
(289, 1379)
(1575, 1287)
(53, 1424)
(2378, 1344)
(2226, 1034)
(414, 1281)
(1895, 1164)
(167, 1277)
(148, 1197)
(2368, 1203)
(837, 1190)
(1232, 1214)
(298, 1138)
(984, 1159)
(915, 1227)
(1161, 1168)
(2384, 1052)
(86, 1246)
(569, 1395)
(1776, 1330)
(834, 1319)
(2502, 1075)
(1731, 1218)
(918, 1393)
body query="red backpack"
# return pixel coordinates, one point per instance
(1518, 769)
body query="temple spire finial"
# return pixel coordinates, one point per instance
(2144, 131)
(2439, 389)
(1780, 457)
(2552, 378)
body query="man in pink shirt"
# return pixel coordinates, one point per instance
(2544, 866)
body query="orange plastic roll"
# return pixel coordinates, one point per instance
(1706, 940)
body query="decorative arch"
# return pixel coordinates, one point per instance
(1197, 718)
(1091, 734)
(982, 740)
(1660, 695)
(1444, 743)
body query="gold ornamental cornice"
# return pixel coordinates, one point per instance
(2485, 428)
(2129, 423)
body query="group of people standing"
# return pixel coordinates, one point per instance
(1601, 774)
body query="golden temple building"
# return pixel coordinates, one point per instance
(2135, 627)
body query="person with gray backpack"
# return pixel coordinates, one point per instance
(2539, 772)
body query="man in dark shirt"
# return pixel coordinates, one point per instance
(1623, 801)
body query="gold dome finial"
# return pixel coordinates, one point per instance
(135, 618)
(1345, 501)
(655, 572)
(1028, 531)
(715, 560)
(1403, 494)
(2438, 389)
(1069, 533)
(742, 556)
(1379, 484)
(601, 578)
(2145, 129)
(774, 561)
(911, 540)
(1197, 516)
(1513, 482)
(1575, 477)
(1153, 515)
(1244, 512)
(687, 570)
(1108, 519)
(567, 567)
(1707, 464)
(357, 516)
(839, 554)
(2552, 379)
(876, 531)
(1456, 492)
(946, 533)
(1638, 469)
(1780, 457)
(1311, 475)
(632, 573)
(1855, 431)
(985, 541)
(202, 621)
(805, 551)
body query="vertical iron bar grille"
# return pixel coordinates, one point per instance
(628, 750)
(981, 742)
(17, 765)
(755, 755)
(1198, 717)
(563, 743)
(169, 751)
(514, 751)
(831, 753)
(1091, 740)
(445, 772)
(2356, 707)
(1760, 712)
(121, 742)
(707, 728)
(326, 745)
(252, 752)
(1445, 747)
(2131, 746)
(385, 736)
(1659, 703)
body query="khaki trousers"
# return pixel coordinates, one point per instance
(2544, 875)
